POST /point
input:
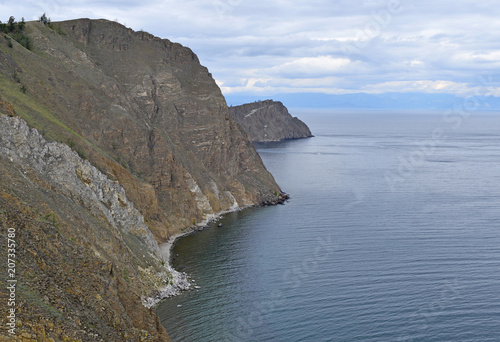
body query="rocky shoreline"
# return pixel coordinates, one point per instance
(282, 198)
(99, 164)
(179, 281)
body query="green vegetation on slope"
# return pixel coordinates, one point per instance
(16, 30)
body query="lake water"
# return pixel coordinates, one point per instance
(391, 234)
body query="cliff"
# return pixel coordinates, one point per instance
(269, 121)
(111, 141)
(141, 109)
(84, 259)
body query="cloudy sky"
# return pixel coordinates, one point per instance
(266, 47)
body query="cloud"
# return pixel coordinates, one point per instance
(425, 86)
(311, 66)
(277, 46)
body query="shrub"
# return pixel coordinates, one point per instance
(21, 25)
(44, 20)
(22, 39)
(125, 275)
(11, 24)
(51, 219)
(59, 29)
(81, 152)
(16, 31)
(71, 143)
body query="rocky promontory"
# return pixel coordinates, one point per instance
(111, 142)
(141, 109)
(269, 121)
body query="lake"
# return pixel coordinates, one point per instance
(391, 234)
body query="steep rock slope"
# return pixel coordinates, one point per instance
(269, 121)
(135, 143)
(84, 259)
(143, 111)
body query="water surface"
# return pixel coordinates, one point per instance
(391, 234)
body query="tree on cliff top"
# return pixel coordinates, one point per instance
(44, 20)
(16, 31)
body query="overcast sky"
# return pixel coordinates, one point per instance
(316, 46)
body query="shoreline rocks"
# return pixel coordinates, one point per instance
(282, 198)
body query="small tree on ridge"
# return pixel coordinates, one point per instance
(44, 20)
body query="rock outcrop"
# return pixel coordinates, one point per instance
(85, 260)
(268, 121)
(111, 141)
(141, 109)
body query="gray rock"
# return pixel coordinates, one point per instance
(79, 180)
(269, 121)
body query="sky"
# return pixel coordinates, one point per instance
(262, 48)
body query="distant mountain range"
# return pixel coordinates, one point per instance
(372, 101)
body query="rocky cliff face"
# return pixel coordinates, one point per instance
(85, 259)
(269, 121)
(133, 143)
(141, 109)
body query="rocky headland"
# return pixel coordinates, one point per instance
(269, 120)
(111, 142)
